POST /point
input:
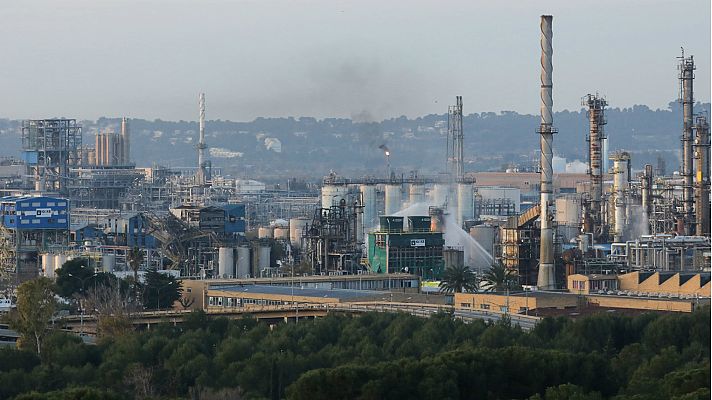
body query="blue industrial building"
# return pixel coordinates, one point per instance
(31, 225)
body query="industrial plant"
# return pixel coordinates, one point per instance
(78, 200)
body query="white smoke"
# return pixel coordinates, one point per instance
(638, 224)
(476, 257)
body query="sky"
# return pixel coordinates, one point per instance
(328, 58)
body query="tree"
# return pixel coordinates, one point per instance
(160, 290)
(135, 258)
(458, 279)
(499, 278)
(112, 304)
(35, 307)
(74, 277)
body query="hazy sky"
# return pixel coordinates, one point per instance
(326, 58)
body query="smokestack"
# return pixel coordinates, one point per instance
(126, 147)
(456, 140)
(202, 173)
(596, 120)
(702, 179)
(687, 68)
(546, 278)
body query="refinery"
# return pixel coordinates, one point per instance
(72, 194)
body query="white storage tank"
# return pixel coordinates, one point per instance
(296, 230)
(265, 232)
(568, 210)
(394, 199)
(416, 194)
(59, 260)
(331, 195)
(370, 213)
(243, 262)
(48, 265)
(226, 262)
(108, 262)
(465, 202)
(440, 194)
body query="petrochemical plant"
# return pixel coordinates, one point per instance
(75, 200)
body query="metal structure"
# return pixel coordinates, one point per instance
(702, 178)
(596, 120)
(50, 147)
(546, 279)
(621, 172)
(686, 76)
(455, 140)
(334, 239)
(646, 190)
(203, 175)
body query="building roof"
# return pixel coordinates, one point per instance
(300, 291)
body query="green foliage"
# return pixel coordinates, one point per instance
(499, 278)
(75, 277)
(458, 279)
(35, 307)
(375, 356)
(160, 291)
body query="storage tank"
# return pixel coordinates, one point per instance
(485, 235)
(453, 257)
(440, 194)
(108, 262)
(568, 210)
(243, 262)
(226, 262)
(262, 254)
(281, 233)
(465, 202)
(368, 194)
(48, 265)
(265, 232)
(394, 199)
(331, 195)
(416, 194)
(296, 231)
(59, 260)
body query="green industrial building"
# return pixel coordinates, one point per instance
(416, 250)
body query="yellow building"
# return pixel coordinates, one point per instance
(658, 284)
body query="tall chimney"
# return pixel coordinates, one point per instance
(546, 278)
(687, 68)
(126, 146)
(702, 178)
(201, 142)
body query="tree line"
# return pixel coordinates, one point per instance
(375, 356)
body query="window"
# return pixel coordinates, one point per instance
(62, 221)
(35, 204)
(24, 204)
(35, 221)
(503, 308)
(50, 204)
(189, 290)
(484, 306)
(523, 309)
(465, 305)
(62, 204)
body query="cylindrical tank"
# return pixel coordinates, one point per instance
(453, 257)
(226, 262)
(331, 195)
(243, 262)
(368, 193)
(265, 232)
(465, 202)
(394, 199)
(584, 242)
(440, 194)
(59, 260)
(48, 265)
(108, 262)
(416, 194)
(568, 210)
(281, 233)
(296, 230)
(484, 234)
(263, 256)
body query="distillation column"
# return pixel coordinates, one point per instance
(702, 178)
(646, 189)
(620, 172)
(546, 278)
(596, 120)
(687, 68)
